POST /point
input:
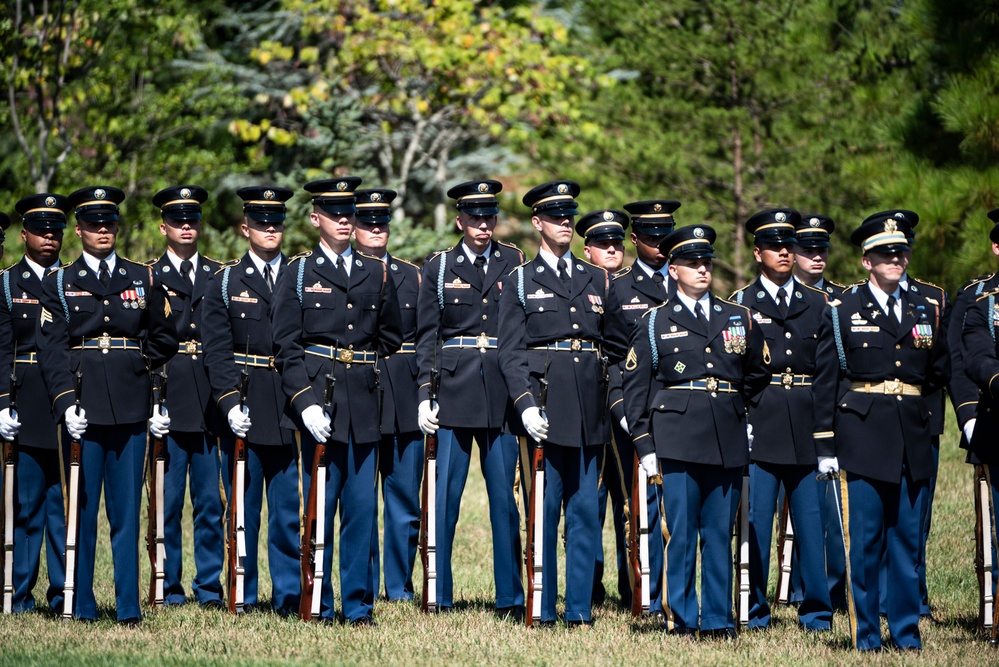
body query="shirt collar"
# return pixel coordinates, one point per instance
(175, 260)
(882, 297)
(94, 264)
(771, 287)
(37, 268)
(705, 302)
(552, 261)
(470, 254)
(275, 264)
(649, 270)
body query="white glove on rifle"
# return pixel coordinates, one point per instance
(76, 424)
(969, 428)
(649, 464)
(9, 426)
(317, 422)
(749, 435)
(828, 465)
(535, 424)
(239, 420)
(624, 425)
(426, 417)
(159, 423)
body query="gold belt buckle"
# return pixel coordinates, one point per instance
(346, 356)
(893, 387)
(482, 342)
(104, 342)
(711, 384)
(190, 347)
(576, 345)
(787, 379)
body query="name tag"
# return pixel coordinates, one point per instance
(170, 292)
(677, 334)
(79, 294)
(865, 329)
(635, 306)
(457, 284)
(541, 295)
(29, 301)
(321, 290)
(762, 320)
(243, 299)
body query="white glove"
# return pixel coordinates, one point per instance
(9, 426)
(426, 417)
(317, 422)
(76, 424)
(749, 435)
(624, 425)
(239, 420)
(649, 465)
(159, 423)
(536, 425)
(828, 465)
(969, 428)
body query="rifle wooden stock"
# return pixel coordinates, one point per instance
(156, 529)
(534, 552)
(785, 540)
(314, 539)
(428, 526)
(236, 534)
(983, 551)
(638, 539)
(8, 526)
(742, 540)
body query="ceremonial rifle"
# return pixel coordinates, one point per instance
(983, 551)
(73, 506)
(236, 537)
(8, 499)
(742, 540)
(314, 532)
(428, 520)
(638, 538)
(533, 556)
(785, 540)
(156, 529)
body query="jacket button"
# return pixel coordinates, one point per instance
(485, 317)
(350, 305)
(572, 309)
(707, 350)
(350, 327)
(898, 363)
(787, 334)
(107, 319)
(575, 326)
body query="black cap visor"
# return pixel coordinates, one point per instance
(482, 209)
(267, 214)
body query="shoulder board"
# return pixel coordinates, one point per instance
(5, 270)
(132, 261)
(58, 268)
(301, 255)
(437, 253)
(855, 284)
(646, 313)
(622, 273)
(587, 263)
(836, 285)
(733, 304)
(154, 261)
(367, 256)
(814, 289)
(212, 260)
(986, 295)
(741, 289)
(835, 302)
(522, 264)
(926, 282)
(507, 244)
(403, 261)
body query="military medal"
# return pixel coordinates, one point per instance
(922, 333)
(735, 336)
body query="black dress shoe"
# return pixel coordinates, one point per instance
(721, 634)
(363, 622)
(213, 605)
(515, 613)
(685, 633)
(130, 623)
(286, 612)
(543, 624)
(249, 608)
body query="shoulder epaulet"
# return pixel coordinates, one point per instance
(814, 289)
(927, 283)
(835, 284)
(857, 283)
(212, 260)
(646, 313)
(56, 269)
(732, 296)
(519, 266)
(403, 261)
(132, 261)
(228, 265)
(622, 273)
(986, 295)
(154, 261)
(301, 255)
(589, 263)
(507, 244)
(732, 303)
(367, 256)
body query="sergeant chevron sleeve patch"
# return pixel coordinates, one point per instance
(631, 361)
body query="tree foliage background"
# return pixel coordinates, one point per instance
(843, 107)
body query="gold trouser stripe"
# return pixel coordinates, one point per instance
(626, 508)
(670, 617)
(851, 605)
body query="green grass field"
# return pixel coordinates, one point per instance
(474, 636)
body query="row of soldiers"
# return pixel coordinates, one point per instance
(792, 377)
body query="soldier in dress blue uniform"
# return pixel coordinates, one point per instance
(400, 455)
(561, 321)
(457, 327)
(811, 253)
(603, 245)
(110, 318)
(787, 445)
(336, 311)
(695, 363)
(192, 446)
(237, 335)
(39, 511)
(892, 355)
(977, 363)
(640, 287)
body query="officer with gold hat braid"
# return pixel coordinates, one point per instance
(336, 312)
(457, 327)
(237, 336)
(192, 446)
(786, 444)
(39, 508)
(561, 321)
(109, 318)
(891, 354)
(695, 363)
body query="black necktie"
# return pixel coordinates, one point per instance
(782, 301)
(480, 268)
(104, 274)
(268, 278)
(660, 281)
(699, 311)
(891, 309)
(341, 267)
(563, 272)
(185, 273)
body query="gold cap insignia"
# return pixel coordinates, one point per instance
(185, 194)
(890, 226)
(780, 217)
(698, 233)
(483, 188)
(562, 188)
(100, 194)
(657, 207)
(814, 222)
(608, 216)
(341, 186)
(268, 194)
(375, 196)
(50, 201)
